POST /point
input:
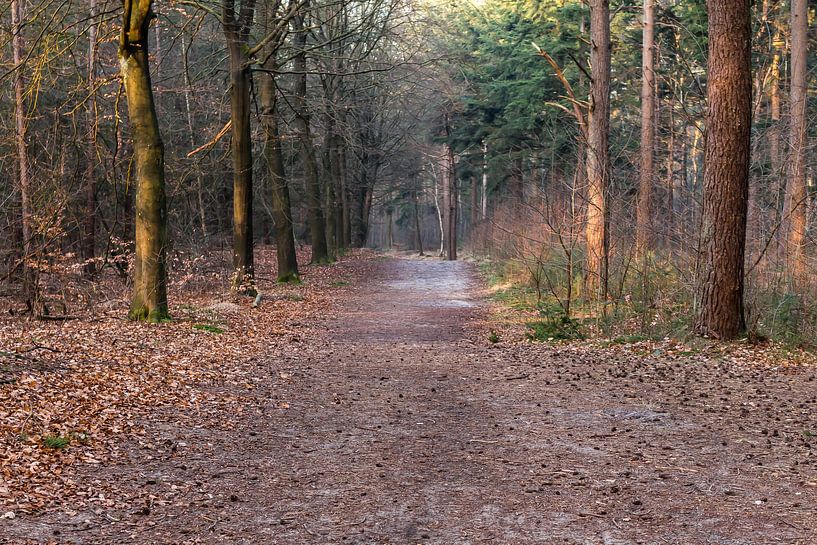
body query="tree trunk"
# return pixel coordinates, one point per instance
(89, 226)
(450, 174)
(474, 204)
(345, 218)
(644, 209)
(726, 176)
(149, 280)
(796, 189)
(774, 103)
(279, 185)
(368, 195)
(598, 155)
(440, 212)
(418, 234)
(341, 202)
(358, 199)
(517, 189)
(331, 187)
(236, 31)
(29, 279)
(484, 180)
(317, 224)
(390, 228)
(669, 235)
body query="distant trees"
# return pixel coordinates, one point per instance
(720, 312)
(328, 118)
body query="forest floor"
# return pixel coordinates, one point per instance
(369, 407)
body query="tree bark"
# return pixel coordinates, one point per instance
(29, 279)
(774, 103)
(317, 224)
(670, 184)
(726, 176)
(450, 180)
(474, 212)
(345, 217)
(331, 187)
(796, 195)
(279, 185)
(484, 180)
(89, 226)
(237, 30)
(644, 207)
(598, 155)
(418, 234)
(149, 300)
(440, 212)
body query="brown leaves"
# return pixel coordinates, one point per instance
(103, 379)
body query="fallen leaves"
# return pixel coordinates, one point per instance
(86, 386)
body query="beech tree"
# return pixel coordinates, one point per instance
(312, 182)
(237, 26)
(149, 300)
(720, 312)
(277, 177)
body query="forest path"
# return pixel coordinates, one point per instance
(400, 424)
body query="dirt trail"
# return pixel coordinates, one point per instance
(401, 424)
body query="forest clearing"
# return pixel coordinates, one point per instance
(408, 272)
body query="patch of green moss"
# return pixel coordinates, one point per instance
(208, 328)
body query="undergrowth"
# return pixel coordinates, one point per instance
(641, 307)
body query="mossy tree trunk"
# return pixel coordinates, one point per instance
(149, 300)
